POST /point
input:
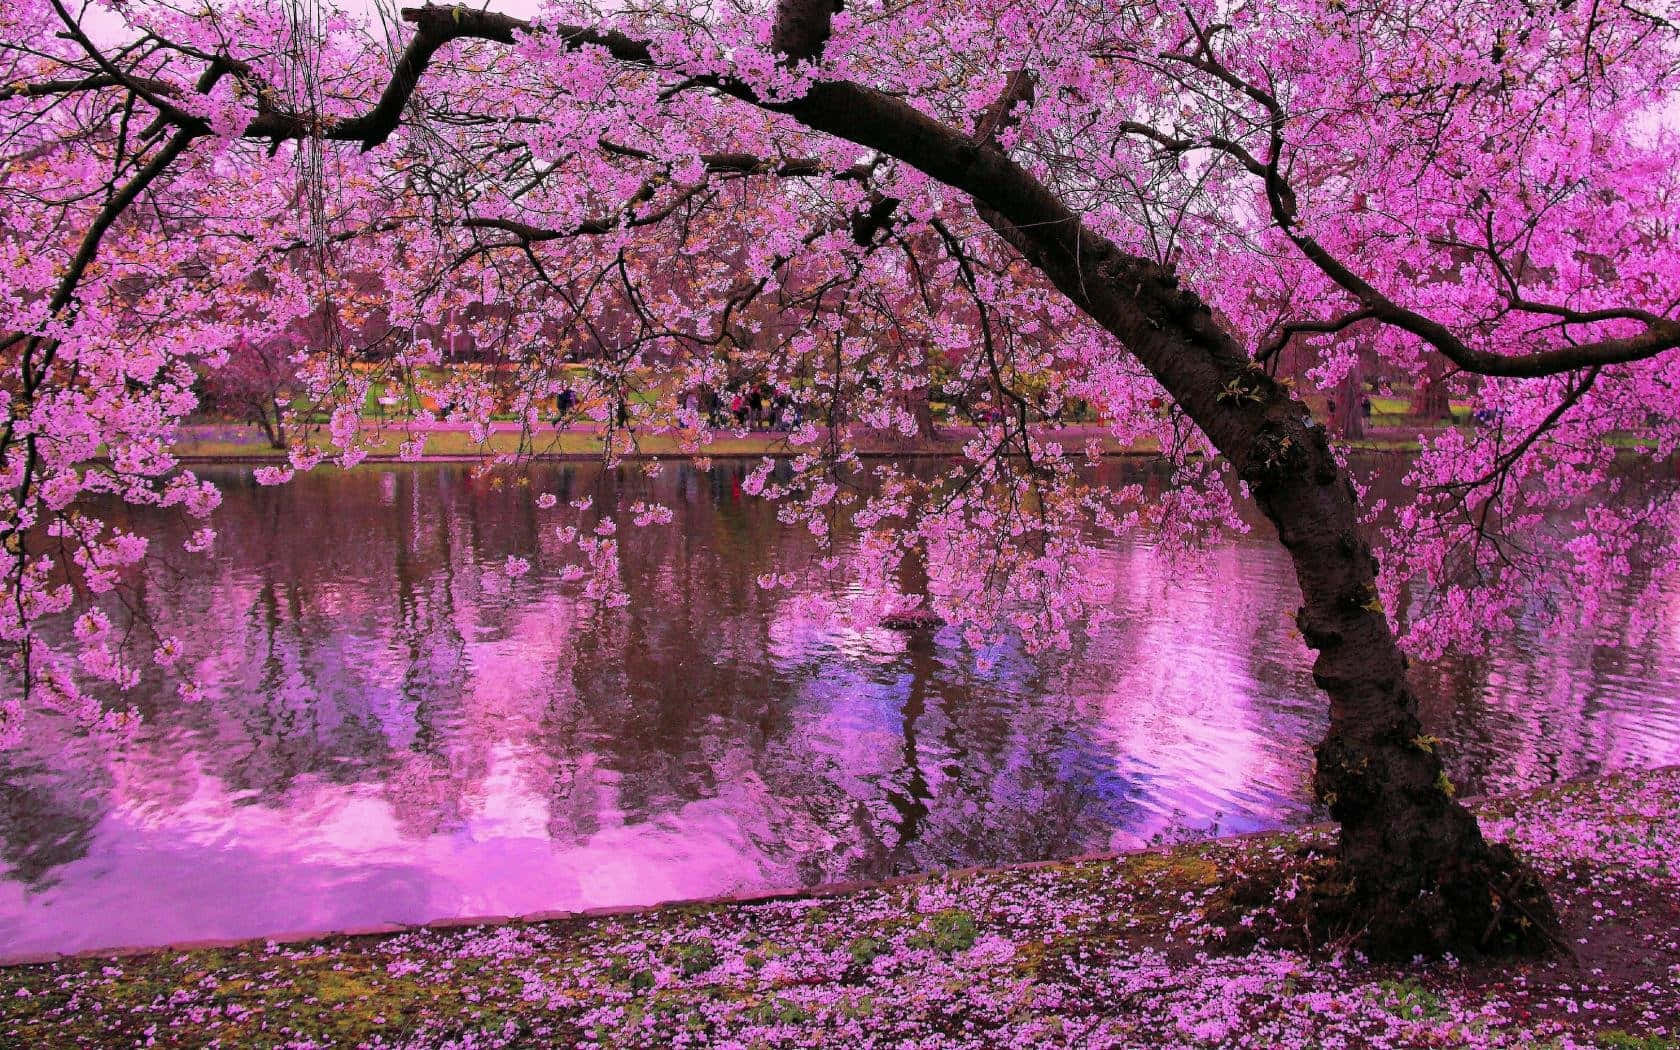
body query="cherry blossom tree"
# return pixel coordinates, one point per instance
(254, 386)
(822, 196)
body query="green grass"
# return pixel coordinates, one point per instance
(952, 930)
(1616, 1039)
(1406, 998)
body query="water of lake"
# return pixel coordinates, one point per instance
(392, 733)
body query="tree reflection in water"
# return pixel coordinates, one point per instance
(394, 730)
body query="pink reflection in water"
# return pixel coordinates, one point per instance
(393, 731)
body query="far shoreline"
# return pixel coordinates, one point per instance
(243, 445)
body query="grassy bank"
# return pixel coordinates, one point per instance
(232, 444)
(1136, 951)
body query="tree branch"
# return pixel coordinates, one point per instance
(1290, 331)
(1661, 333)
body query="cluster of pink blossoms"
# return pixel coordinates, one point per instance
(178, 187)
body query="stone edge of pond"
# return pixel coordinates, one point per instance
(750, 897)
(744, 898)
(722, 900)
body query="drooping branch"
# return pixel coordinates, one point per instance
(1281, 340)
(166, 109)
(752, 164)
(1508, 459)
(628, 216)
(625, 218)
(1660, 334)
(435, 27)
(113, 209)
(92, 82)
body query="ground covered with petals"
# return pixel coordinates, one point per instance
(1130, 952)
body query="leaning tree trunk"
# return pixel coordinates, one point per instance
(1421, 877)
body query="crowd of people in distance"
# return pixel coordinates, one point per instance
(754, 406)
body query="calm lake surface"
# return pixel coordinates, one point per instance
(393, 732)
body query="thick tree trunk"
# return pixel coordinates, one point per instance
(1421, 879)
(921, 406)
(1348, 418)
(273, 429)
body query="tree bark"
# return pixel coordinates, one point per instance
(919, 402)
(1429, 397)
(273, 429)
(1348, 418)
